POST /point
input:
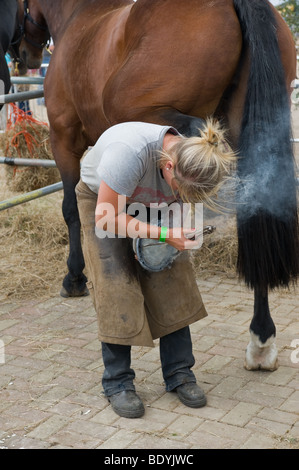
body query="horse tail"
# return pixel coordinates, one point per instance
(267, 215)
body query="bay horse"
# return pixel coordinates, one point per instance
(176, 63)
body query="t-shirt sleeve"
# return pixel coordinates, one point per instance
(121, 168)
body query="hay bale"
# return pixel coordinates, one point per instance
(26, 137)
(34, 249)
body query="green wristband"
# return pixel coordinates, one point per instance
(163, 234)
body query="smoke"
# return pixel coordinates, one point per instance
(266, 181)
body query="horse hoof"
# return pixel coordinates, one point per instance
(261, 366)
(74, 286)
(261, 356)
(66, 294)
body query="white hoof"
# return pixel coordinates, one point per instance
(261, 356)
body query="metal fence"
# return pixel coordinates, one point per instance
(34, 96)
(28, 89)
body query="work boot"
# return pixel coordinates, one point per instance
(190, 394)
(127, 404)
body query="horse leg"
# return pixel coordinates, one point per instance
(68, 163)
(261, 352)
(187, 125)
(74, 283)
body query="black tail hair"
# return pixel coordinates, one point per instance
(267, 213)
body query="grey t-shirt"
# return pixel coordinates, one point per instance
(126, 158)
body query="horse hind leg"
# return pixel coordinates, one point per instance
(187, 125)
(261, 352)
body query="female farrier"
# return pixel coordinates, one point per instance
(136, 162)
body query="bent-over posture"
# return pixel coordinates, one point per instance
(136, 162)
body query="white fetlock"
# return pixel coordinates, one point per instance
(261, 356)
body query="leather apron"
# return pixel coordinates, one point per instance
(134, 306)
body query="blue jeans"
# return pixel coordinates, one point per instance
(176, 360)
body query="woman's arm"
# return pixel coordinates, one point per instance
(111, 217)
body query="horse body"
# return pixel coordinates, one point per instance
(173, 63)
(132, 84)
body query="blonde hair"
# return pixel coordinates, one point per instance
(201, 164)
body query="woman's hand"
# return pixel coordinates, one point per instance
(181, 239)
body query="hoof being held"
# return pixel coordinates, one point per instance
(261, 356)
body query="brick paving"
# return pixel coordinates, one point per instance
(50, 382)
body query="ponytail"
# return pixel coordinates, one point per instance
(201, 164)
(212, 134)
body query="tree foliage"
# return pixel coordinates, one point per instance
(290, 12)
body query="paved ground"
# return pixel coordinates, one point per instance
(50, 383)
